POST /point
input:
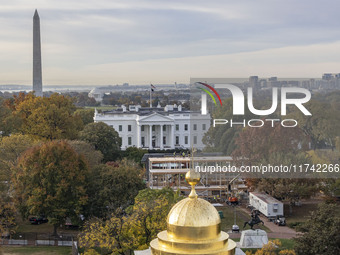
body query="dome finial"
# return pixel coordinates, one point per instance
(192, 178)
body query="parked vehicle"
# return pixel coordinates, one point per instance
(235, 229)
(280, 220)
(37, 220)
(265, 204)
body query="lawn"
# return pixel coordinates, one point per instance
(228, 221)
(24, 226)
(285, 244)
(103, 108)
(49, 250)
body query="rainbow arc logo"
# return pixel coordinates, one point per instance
(209, 93)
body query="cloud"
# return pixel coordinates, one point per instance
(81, 35)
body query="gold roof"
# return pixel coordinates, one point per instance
(193, 212)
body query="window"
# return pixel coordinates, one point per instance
(129, 141)
(129, 128)
(143, 141)
(186, 138)
(177, 127)
(203, 127)
(164, 140)
(195, 126)
(177, 139)
(195, 139)
(153, 127)
(186, 127)
(164, 127)
(120, 128)
(142, 128)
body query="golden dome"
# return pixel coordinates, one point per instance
(193, 212)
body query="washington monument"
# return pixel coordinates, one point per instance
(37, 76)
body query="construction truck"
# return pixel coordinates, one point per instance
(232, 199)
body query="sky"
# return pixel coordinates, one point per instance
(101, 42)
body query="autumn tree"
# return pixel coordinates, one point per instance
(50, 180)
(272, 248)
(7, 215)
(113, 186)
(45, 117)
(149, 214)
(285, 189)
(104, 138)
(323, 126)
(221, 138)
(276, 146)
(267, 143)
(321, 233)
(91, 156)
(11, 148)
(110, 235)
(125, 232)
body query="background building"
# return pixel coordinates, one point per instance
(157, 128)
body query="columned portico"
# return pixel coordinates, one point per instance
(172, 136)
(161, 145)
(150, 137)
(138, 135)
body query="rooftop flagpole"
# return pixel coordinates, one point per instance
(152, 87)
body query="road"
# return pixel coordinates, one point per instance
(276, 231)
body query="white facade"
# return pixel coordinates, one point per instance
(267, 205)
(157, 128)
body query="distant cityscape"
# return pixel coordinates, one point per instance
(328, 82)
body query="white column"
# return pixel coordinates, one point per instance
(150, 137)
(161, 145)
(172, 144)
(139, 137)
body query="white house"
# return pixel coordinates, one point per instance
(157, 128)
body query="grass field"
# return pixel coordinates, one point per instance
(24, 226)
(36, 250)
(285, 244)
(228, 221)
(103, 108)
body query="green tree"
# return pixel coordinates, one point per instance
(86, 115)
(321, 232)
(45, 117)
(113, 187)
(104, 138)
(50, 180)
(134, 154)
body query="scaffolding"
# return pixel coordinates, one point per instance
(170, 172)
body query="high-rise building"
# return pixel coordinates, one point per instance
(37, 72)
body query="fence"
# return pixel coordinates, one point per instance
(39, 239)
